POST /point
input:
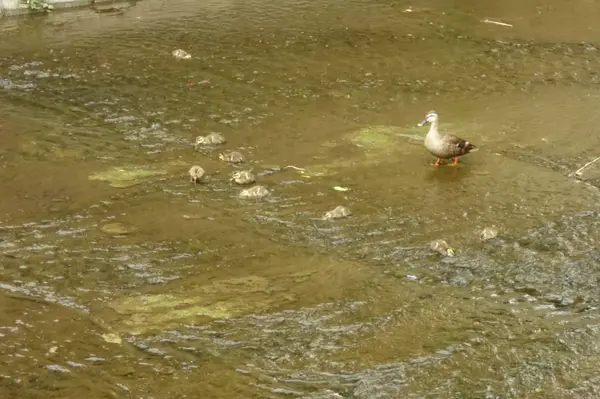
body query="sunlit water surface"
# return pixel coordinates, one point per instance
(120, 278)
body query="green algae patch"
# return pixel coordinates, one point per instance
(375, 144)
(379, 138)
(383, 139)
(122, 177)
(222, 299)
(127, 176)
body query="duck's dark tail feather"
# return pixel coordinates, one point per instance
(465, 146)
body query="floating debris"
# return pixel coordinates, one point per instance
(295, 168)
(57, 367)
(232, 157)
(254, 192)
(340, 188)
(181, 54)
(489, 21)
(243, 177)
(339, 212)
(579, 172)
(488, 233)
(210, 139)
(196, 174)
(441, 247)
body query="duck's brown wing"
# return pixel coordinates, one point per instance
(459, 146)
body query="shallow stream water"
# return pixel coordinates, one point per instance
(120, 278)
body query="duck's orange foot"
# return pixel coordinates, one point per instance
(437, 162)
(455, 161)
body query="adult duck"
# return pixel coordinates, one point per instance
(444, 146)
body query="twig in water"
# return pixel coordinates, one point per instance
(489, 21)
(579, 171)
(294, 167)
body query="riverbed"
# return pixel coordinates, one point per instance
(120, 278)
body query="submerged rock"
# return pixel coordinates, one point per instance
(181, 54)
(339, 212)
(5, 83)
(488, 233)
(116, 228)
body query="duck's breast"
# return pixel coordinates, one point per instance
(436, 146)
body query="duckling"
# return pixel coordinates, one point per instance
(243, 177)
(196, 174)
(340, 211)
(441, 247)
(255, 192)
(444, 146)
(232, 157)
(488, 233)
(181, 54)
(210, 139)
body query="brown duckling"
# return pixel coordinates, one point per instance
(243, 177)
(255, 192)
(231, 157)
(441, 247)
(210, 139)
(196, 174)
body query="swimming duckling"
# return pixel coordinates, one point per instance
(181, 54)
(444, 146)
(243, 177)
(231, 157)
(339, 212)
(210, 139)
(254, 192)
(441, 247)
(196, 174)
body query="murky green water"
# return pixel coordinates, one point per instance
(121, 279)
